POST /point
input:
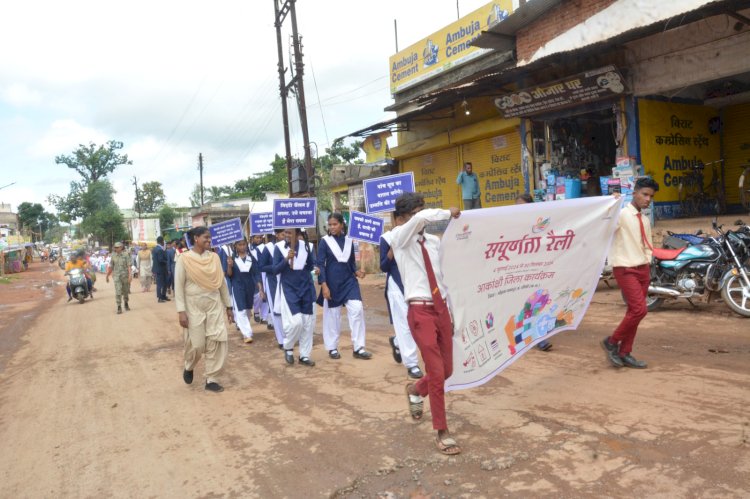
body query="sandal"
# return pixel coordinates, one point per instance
(448, 446)
(415, 408)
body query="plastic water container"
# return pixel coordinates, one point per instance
(572, 188)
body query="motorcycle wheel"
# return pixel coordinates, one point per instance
(81, 298)
(653, 302)
(736, 296)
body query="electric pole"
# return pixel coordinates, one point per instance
(200, 169)
(296, 86)
(137, 197)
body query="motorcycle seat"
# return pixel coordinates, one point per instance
(667, 253)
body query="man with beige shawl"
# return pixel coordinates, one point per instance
(200, 295)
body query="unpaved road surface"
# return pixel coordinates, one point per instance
(92, 404)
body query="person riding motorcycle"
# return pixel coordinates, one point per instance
(77, 261)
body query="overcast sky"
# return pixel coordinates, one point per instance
(171, 79)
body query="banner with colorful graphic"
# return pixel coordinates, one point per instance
(519, 274)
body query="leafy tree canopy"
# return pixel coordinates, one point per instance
(94, 162)
(150, 198)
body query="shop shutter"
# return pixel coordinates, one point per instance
(736, 144)
(435, 177)
(497, 162)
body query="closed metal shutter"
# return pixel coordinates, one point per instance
(435, 177)
(736, 146)
(497, 162)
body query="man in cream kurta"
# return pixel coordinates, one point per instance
(206, 334)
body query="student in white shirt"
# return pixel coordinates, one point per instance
(416, 254)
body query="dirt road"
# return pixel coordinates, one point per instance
(92, 404)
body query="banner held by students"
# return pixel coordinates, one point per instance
(365, 228)
(261, 223)
(381, 192)
(226, 232)
(294, 213)
(517, 275)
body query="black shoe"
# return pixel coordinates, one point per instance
(127, 307)
(119, 309)
(187, 376)
(166, 299)
(334, 354)
(307, 361)
(630, 361)
(269, 327)
(395, 350)
(414, 372)
(611, 351)
(281, 346)
(256, 318)
(160, 300)
(544, 346)
(362, 354)
(214, 387)
(289, 357)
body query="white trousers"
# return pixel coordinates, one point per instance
(297, 328)
(399, 310)
(271, 318)
(242, 319)
(332, 324)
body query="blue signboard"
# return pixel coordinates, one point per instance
(261, 223)
(381, 193)
(226, 232)
(365, 228)
(294, 213)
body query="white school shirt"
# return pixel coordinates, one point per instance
(408, 253)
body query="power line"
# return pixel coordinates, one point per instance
(315, 82)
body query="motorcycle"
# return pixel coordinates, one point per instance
(712, 266)
(79, 288)
(53, 257)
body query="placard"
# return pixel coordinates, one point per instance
(261, 223)
(294, 213)
(226, 232)
(365, 228)
(381, 192)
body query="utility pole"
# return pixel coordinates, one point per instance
(296, 85)
(137, 197)
(200, 169)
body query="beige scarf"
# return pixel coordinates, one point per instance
(205, 272)
(144, 254)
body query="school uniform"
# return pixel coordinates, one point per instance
(244, 286)
(226, 251)
(397, 306)
(270, 283)
(338, 270)
(260, 307)
(293, 300)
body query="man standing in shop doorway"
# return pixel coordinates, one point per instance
(469, 183)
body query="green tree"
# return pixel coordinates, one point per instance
(195, 196)
(214, 193)
(69, 207)
(102, 219)
(150, 198)
(30, 216)
(94, 162)
(167, 214)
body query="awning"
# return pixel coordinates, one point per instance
(617, 19)
(501, 35)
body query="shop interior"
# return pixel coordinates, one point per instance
(580, 147)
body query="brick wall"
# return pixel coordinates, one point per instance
(555, 22)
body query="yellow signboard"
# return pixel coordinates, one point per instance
(446, 48)
(376, 148)
(435, 177)
(497, 163)
(674, 139)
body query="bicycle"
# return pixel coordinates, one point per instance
(694, 195)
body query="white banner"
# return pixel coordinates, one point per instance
(145, 229)
(519, 274)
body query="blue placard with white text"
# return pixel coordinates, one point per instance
(365, 228)
(261, 223)
(226, 232)
(294, 213)
(381, 192)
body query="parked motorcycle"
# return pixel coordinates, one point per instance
(79, 288)
(702, 270)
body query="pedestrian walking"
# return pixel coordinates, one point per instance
(260, 305)
(270, 283)
(119, 266)
(469, 183)
(244, 276)
(402, 344)
(630, 258)
(339, 287)
(171, 251)
(202, 300)
(417, 256)
(144, 264)
(160, 269)
(293, 262)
